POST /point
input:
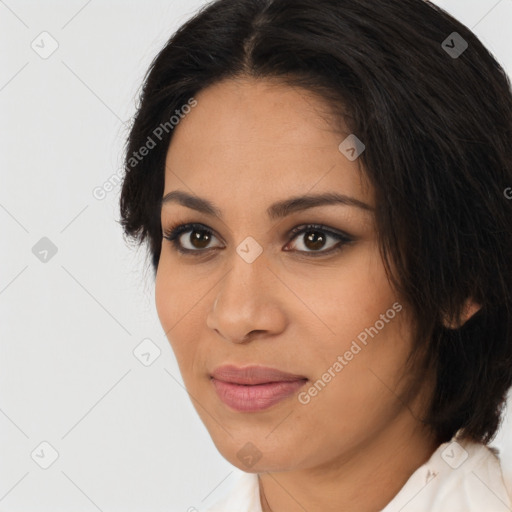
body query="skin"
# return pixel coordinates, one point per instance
(244, 146)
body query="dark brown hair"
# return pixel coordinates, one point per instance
(438, 133)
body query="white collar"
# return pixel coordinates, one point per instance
(460, 476)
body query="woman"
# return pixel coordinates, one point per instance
(321, 187)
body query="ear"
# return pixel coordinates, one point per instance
(470, 308)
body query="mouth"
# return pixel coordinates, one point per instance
(254, 388)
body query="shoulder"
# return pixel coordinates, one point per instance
(460, 476)
(243, 496)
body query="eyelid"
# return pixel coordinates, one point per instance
(336, 233)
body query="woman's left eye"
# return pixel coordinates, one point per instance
(314, 237)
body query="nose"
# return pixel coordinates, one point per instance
(249, 302)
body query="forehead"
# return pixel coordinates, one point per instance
(252, 137)
(257, 112)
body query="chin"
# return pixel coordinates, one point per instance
(256, 453)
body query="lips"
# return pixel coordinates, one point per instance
(254, 388)
(251, 375)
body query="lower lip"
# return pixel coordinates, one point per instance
(256, 397)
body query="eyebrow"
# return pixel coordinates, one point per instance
(277, 210)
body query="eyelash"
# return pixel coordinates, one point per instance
(174, 232)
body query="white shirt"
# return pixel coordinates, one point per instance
(460, 476)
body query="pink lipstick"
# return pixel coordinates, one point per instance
(254, 388)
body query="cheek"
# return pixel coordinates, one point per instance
(368, 330)
(176, 293)
(171, 301)
(360, 394)
(347, 297)
(165, 296)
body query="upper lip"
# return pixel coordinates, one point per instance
(253, 375)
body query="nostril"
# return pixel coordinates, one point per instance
(251, 334)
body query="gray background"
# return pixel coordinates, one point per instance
(126, 434)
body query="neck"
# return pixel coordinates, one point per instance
(364, 480)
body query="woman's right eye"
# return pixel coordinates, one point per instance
(198, 237)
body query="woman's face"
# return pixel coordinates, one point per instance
(248, 292)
